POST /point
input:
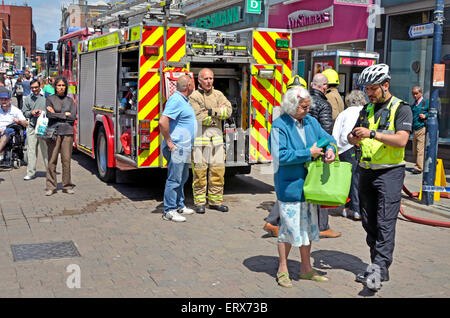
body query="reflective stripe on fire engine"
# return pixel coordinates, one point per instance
(266, 93)
(150, 88)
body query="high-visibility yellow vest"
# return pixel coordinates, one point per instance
(375, 154)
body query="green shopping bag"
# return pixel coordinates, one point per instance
(327, 184)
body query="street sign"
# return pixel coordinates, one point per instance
(420, 30)
(253, 6)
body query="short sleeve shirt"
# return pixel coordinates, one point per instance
(183, 123)
(403, 117)
(7, 118)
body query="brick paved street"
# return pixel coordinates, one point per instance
(127, 250)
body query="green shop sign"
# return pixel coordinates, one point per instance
(219, 19)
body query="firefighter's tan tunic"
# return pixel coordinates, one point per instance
(335, 99)
(208, 151)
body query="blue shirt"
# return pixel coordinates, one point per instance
(26, 87)
(183, 123)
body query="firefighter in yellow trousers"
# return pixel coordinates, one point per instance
(211, 107)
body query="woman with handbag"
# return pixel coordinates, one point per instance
(293, 142)
(61, 115)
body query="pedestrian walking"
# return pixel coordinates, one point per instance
(344, 124)
(18, 92)
(420, 114)
(34, 105)
(26, 81)
(382, 130)
(211, 108)
(49, 88)
(293, 142)
(61, 113)
(178, 126)
(321, 110)
(332, 93)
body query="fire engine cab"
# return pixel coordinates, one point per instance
(125, 76)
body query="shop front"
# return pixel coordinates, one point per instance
(324, 25)
(225, 15)
(408, 51)
(348, 64)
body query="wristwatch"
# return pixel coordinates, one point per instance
(372, 134)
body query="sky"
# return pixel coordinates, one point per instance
(46, 18)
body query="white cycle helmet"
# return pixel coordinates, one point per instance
(374, 74)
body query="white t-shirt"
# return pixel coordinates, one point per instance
(7, 118)
(344, 124)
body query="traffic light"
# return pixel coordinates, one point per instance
(52, 58)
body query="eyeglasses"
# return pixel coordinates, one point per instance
(304, 107)
(35, 87)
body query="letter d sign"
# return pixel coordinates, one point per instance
(254, 6)
(74, 279)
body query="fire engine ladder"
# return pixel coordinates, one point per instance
(150, 10)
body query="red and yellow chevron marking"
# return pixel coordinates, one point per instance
(264, 52)
(150, 85)
(265, 94)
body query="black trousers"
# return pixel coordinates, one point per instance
(349, 156)
(380, 198)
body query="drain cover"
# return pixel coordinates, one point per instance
(24, 252)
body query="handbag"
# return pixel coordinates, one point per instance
(41, 124)
(49, 133)
(327, 184)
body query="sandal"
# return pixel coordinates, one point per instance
(283, 280)
(314, 276)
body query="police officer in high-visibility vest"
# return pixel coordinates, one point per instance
(208, 155)
(382, 130)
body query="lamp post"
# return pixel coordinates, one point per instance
(432, 134)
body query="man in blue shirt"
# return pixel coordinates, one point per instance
(26, 84)
(178, 125)
(420, 114)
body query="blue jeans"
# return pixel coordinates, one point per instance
(178, 163)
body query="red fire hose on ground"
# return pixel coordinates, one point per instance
(420, 220)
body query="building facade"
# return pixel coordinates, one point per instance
(18, 23)
(76, 16)
(322, 25)
(227, 15)
(406, 44)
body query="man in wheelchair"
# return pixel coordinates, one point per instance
(12, 123)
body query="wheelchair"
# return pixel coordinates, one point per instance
(13, 153)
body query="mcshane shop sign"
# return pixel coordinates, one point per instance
(219, 19)
(306, 20)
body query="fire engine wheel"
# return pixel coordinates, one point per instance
(105, 173)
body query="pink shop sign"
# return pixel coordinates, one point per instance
(356, 61)
(307, 20)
